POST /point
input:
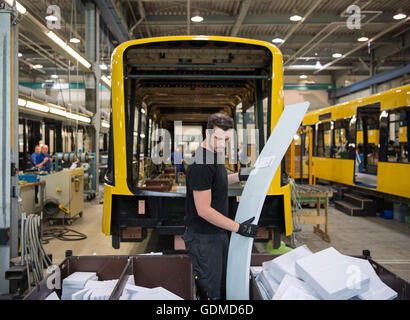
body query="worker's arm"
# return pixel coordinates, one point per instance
(242, 175)
(202, 201)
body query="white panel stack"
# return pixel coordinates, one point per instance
(292, 288)
(377, 289)
(76, 282)
(331, 275)
(158, 293)
(284, 265)
(269, 284)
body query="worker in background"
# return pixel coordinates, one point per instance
(243, 156)
(43, 159)
(207, 222)
(177, 159)
(33, 158)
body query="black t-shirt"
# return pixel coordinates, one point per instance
(204, 174)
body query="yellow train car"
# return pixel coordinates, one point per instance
(157, 81)
(374, 152)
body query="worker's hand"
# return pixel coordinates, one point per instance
(244, 173)
(247, 229)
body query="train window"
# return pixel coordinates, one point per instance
(341, 131)
(397, 148)
(324, 141)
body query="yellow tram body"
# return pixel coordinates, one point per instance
(393, 176)
(120, 187)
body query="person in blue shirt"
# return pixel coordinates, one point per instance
(33, 158)
(177, 159)
(43, 159)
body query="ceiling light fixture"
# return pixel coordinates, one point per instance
(38, 66)
(318, 65)
(54, 76)
(295, 18)
(75, 40)
(103, 66)
(68, 49)
(278, 40)
(51, 17)
(106, 81)
(19, 54)
(362, 39)
(105, 124)
(337, 55)
(303, 76)
(19, 7)
(197, 17)
(399, 15)
(37, 106)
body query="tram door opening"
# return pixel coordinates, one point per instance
(367, 145)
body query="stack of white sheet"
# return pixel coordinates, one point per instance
(332, 276)
(76, 282)
(133, 292)
(327, 274)
(266, 282)
(96, 290)
(284, 265)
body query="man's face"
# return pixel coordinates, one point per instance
(37, 150)
(44, 150)
(219, 139)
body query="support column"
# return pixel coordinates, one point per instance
(92, 85)
(372, 70)
(8, 144)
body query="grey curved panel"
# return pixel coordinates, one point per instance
(253, 197)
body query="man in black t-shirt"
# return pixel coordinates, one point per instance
(207, 221)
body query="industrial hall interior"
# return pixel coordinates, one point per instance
(204, 150)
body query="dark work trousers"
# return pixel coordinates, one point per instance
(209, 254)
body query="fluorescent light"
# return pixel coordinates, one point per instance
(278, 40)
(135, 134)
(68, 49)
(295, 17)
(399, 16)
(103, 66)
(51, 18)
(58, 111)
(197, 19)
(37, 106)
(336, 55)
(75, 40)
(318, 65)
(38, 66)
(142, 135)
(77, 56)
(21, 102)
(362, 39)
(19, 54)
(78, 117)
(19, 7)
(106, 81)
(54, 76)
(105, 124)
(143, 110)
(303, 76)
(84, 119)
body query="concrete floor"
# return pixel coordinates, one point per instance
(387, 240)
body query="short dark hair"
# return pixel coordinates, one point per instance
(221, 121)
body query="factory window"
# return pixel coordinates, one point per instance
(341, 131)
(324, 141)
(398, 146)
